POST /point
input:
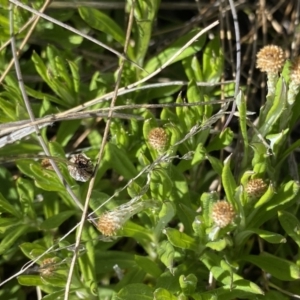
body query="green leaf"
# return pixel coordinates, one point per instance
(182, 240)
(30, 280)
(57, 220)
(137, 232)
(148, 265)
(11, 236)
(192, 69)
(144, 12)
(220, 270)
(33, 250)
(46, 180)
(242, 108)
(213, 60)
(26, 195)
(188, 283)
(6, 223)
(195, 94)
(221, 140)
(266, 197)
(276, 140)
(161, 184)
(163, 294)
(120, 161)
(216, 164)
(5, 206)
(157, 61)
(223, 273)
(165, 216)
(270, 237)
(275, 111)
(100, 21)
(75, 76)
(87, 260)
(291, 225)
(105, 260)
(135, 291)
(279, 268)
(66, 131)
(240, 289)
(229, 182)
(284, 198)
(133, 276)
(217, 245)
(166, 254)
(42, 96)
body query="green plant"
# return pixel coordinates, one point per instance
(137, 214)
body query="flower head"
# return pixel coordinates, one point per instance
(270, 59)
(45, 163)
(255, 188)
(47, 267)
(158, 138)
(110, 222)
(222, 213)
(81, 167)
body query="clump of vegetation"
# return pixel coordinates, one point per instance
(119, 176)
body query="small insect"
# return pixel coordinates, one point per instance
(80, 167)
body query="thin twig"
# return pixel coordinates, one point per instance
(238, 60)
(121, 5)
(135, 84)
(12, 126)
(28, 8)
(29, 110)
(24, 42)
(24, 269)
(18, 32)
(103, 143)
